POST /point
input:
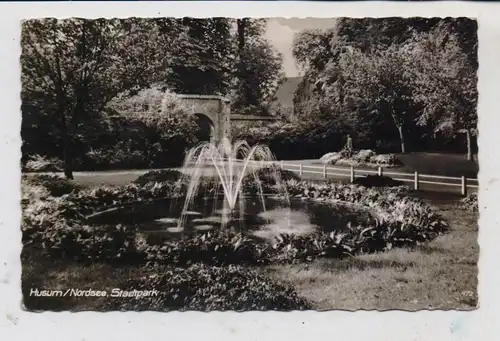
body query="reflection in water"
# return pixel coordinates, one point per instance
(159, 219)
(301, 217)
(283, 221)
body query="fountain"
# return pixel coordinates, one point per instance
(231, 162)
(226, 204)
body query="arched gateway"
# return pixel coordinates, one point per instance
(214, 114)
(215, 108)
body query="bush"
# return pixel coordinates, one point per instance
(470, 203)
(38, 163)
(365, 157)
(377, 181)
(385, 160)
(150, 129)
(267, 177)
(207, 288)
(164, 175)
(56, 185)
(331, 158)
(214, 248)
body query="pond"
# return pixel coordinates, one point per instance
(158, 220)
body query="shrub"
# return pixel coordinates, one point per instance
(111, 243)
(377, 181)
(38, 163)
(56, 185)
(208, 288)
(364, 157)
(215, 248)
(117, 156)
(470, 203)
(267, 177)
(331, 158)
(164, 175)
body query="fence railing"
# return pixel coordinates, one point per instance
(415, 178)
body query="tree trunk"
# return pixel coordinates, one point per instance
(401, 139)
(241, 23)
(469, 144)
(66, 140)
(242, 72)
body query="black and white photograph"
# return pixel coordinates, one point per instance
(241, 164)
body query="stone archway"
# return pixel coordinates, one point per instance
(216, 111)
(210, 110)
(206, 127)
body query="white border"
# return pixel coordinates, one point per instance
(478, 325)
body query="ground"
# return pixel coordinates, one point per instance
(441, 274)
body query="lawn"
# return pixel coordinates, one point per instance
(441, 274)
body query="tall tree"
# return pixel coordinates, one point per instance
(379, 82)
(445, 83)
(71, 68)
(202, 55)
(258, 66)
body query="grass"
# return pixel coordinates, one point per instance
(42, 274)
(439, 275)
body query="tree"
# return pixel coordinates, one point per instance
(202, 55)
(71, 68)
(258, 66)
(379, 83)
(445, 82)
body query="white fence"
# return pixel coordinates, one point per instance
(416, 179)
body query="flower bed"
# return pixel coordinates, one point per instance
(364, 157)
(208, 288)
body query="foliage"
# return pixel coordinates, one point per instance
(303, 138)
(163, 175)
(268, 178)
(71, 68)
(470, 203)
(58, 225)
(39, 163)
(162, 127)
(379, 84)
(77, 73)
(216, 248)
(377, 181)
(209, 288)
(55, 185)
(201, 49)
(258, 67)
(445, 83)
(364, 157)
(365, 74)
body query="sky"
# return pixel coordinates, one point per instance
(280, 33)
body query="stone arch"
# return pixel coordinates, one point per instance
(206, 126)
(217, 110)
(214, 108)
